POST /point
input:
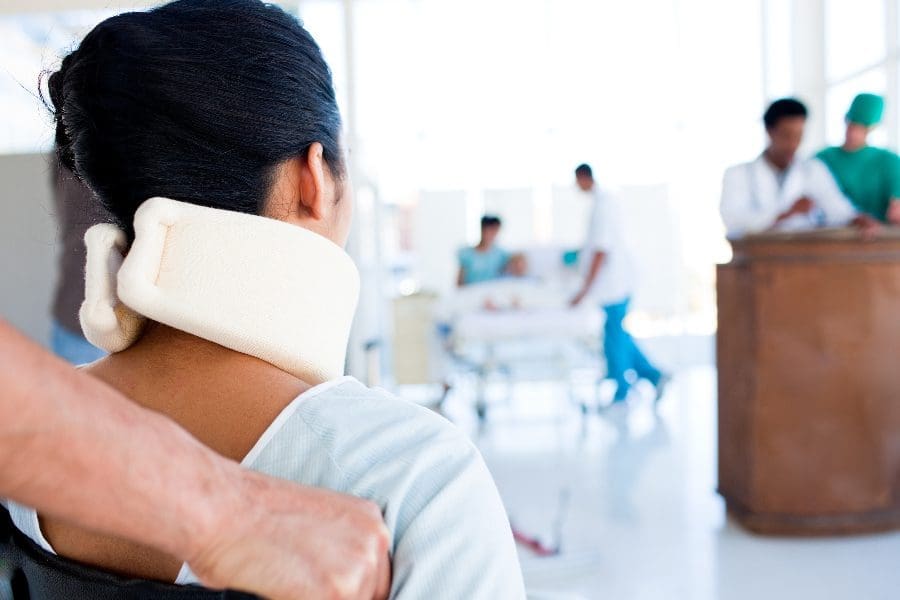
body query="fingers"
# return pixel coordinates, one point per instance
(291, 542)
(366, 559)
(352, 553)
(383, 577)
(379, 555)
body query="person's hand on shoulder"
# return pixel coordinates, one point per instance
(286, 541)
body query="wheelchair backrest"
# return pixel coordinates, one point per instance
(28, 572)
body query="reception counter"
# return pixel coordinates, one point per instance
(809, 382)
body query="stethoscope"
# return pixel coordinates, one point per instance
(818, 215)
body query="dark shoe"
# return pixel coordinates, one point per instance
(664, 380)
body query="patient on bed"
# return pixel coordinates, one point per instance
(534, 305)
(535, 278)
(486, 261)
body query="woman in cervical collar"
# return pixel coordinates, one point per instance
(209, 129)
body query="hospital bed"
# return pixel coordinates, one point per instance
(519, 328)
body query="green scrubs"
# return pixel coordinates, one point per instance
(869, 177)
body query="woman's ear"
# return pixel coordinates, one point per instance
(313, 185)
(302, 190)
(305, 193)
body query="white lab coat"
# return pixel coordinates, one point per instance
(753, 197)
(615, 281)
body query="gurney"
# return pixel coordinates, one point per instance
(519, 329)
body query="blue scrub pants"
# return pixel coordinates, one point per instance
(622, 353)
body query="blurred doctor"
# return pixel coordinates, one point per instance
(608, 273)
(777, 191)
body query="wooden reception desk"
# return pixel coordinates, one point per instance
(809, 382)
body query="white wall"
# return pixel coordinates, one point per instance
(654, 237)
(570, 214)
(27, 244)
(516, 209)
(441, 223)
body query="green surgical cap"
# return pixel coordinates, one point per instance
(866, 110)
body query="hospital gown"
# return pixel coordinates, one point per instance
(479, 266)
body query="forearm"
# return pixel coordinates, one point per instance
(593, 271)
(782, 216)
(72, 447)
(741, 219)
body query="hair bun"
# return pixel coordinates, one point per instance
(56, 88)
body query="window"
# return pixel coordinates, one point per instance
(838, 100)
(855, 36)
(778, 48)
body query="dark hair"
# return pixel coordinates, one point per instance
(584, 170)
(783, 109)
(197, 100)
(490, 221)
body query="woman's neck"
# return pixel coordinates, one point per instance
(224, 398)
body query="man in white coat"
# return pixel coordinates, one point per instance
(608, 281)
(777, 191)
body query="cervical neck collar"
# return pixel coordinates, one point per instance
(255, 285)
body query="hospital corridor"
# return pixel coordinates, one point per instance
(631, 506)
(449, 299)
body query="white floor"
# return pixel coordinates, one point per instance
(630, 499)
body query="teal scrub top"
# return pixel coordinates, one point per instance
(482, 266)
(869, 177)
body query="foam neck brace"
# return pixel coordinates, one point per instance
(255, 285)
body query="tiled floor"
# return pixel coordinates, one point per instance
(630, 499)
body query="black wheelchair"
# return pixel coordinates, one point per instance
(28, 572)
